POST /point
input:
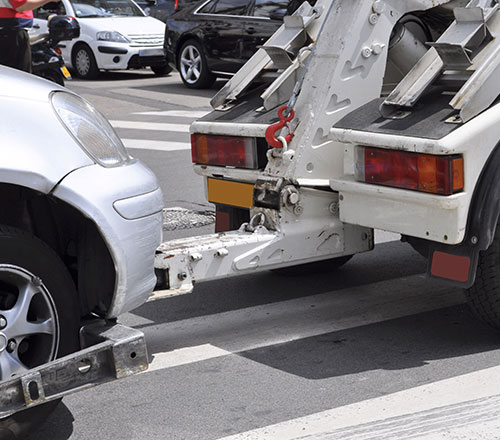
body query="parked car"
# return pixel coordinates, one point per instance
(114, 34)
(162, 9)
(80, 221)
(214, 38)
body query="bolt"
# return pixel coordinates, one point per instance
(182, 276)
(377, 48)
(11, 346)
(373, 18)
(298, 210)
(333, 207)
(366, 52)
(474, 240)
(293, 198)
(3, 322)
(196, 257)
(222, 252)
(378, 6)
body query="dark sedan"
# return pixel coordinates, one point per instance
(214, 38)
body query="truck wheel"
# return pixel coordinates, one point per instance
(193, 66)
(38, 316)
(84, 62)
(484, 296)
(315, 267)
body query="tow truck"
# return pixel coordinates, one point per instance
(356, 115)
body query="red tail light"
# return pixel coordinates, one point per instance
(176, 5)
(232, 151)
(442, 175)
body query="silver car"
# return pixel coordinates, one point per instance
(79, 224)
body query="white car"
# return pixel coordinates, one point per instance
(114, 35)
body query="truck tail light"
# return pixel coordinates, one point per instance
(231, 151)
(442, 175)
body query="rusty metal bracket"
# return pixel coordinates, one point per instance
(115, 352)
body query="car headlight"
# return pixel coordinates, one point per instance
(90, 129)
(116, 37)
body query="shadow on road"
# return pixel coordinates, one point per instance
(59, 425)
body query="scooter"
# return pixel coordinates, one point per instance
(46, 58)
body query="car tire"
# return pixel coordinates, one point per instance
(484, 296)
(193, 67)
(38, 298)
(314, 267)
(161, 70)
(84, 62)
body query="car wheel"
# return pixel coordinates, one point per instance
(84, 62)
(38, 317)
(161, 70)
(193, 66)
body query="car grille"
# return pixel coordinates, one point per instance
(146, 39)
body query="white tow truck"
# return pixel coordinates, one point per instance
(356, 115)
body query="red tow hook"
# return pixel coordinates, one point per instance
(271, 131)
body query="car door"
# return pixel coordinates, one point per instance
(223, 28)
(266, 18)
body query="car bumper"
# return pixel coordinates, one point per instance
(112, 56)
(126, 206)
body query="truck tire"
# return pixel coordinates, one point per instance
(484, 296)
(39, 319)
(315, 267)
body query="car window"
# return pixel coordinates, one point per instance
(44, 11)
(273, 9)
(225, 7)
(106, 8)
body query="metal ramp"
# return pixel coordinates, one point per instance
(276, 53)
(467, 53)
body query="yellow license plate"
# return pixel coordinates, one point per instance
(65, 72)
(230, 193)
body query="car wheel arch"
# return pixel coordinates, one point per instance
(72, 236)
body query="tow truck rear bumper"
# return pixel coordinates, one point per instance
(112, 352)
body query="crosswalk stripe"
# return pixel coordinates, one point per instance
(292, 320)
(398, 415)
(145, 144)
(176, 113)
(159, 126)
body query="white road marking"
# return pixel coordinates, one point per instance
(145, 144)
(447, 403)
(176, 113)
(270, 324)
(158, 126)
(187, 355)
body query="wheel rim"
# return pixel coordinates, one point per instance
(82, 62)
(190, 64)
(29, 330)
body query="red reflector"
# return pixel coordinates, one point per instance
(233, 151)
(57, 50)
(449, 266)
(222, 221)
(421, 172)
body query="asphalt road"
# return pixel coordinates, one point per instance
(373, 350)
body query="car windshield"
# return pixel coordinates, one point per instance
(106, 8)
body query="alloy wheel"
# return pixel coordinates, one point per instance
(190, 64)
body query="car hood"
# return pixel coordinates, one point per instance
(37, 150)
(124, 25)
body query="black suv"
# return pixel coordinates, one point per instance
(214, 38)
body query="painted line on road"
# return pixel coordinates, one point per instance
(237, 331)
(175, 113)
(158, 126)
(428, 410)
(144, 144)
